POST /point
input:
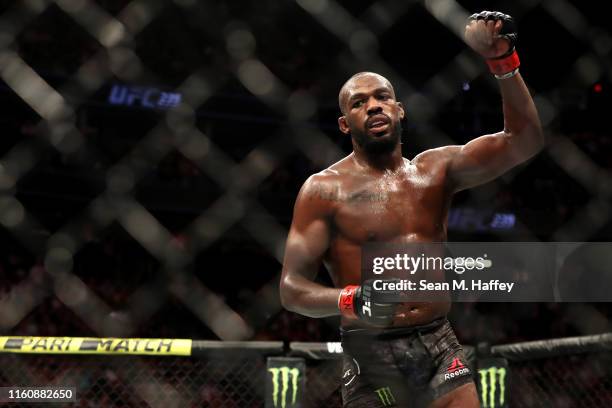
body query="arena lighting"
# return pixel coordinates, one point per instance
(160, 231)
(470, 219)
(598, 87)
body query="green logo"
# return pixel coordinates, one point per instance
(489, 378)
(385, 395)
(284, 373)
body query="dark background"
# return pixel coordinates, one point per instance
(219, 174)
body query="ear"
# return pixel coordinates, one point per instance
(343, 125)
(401, 110)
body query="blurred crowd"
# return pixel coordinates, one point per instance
(541, 194)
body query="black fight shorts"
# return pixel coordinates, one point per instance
(401, 367)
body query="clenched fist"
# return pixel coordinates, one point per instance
(491, 34)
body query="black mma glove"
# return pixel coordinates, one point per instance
(506, 65)
(358, 302)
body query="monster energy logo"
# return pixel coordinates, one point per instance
(284, 373)
(488, 386)
(385, 396)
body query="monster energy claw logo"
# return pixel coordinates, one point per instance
(488, 384)
(284, 373)
(385, 395)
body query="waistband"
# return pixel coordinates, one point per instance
(391, 332)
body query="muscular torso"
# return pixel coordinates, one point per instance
(407, 205)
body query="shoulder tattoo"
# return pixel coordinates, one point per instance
(327, 193)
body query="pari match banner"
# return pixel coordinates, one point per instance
(83, 345)
(488, 272)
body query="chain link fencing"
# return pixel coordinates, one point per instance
(153, 149)
(571, 372)
(566, 381)
(218, 378)
(119, 381)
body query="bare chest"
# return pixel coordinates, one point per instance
(392, 209)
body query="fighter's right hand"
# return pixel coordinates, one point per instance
(356, 302)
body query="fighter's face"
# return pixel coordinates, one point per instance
(371, 114)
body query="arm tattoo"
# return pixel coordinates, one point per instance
(326, 193)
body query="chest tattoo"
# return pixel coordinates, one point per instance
(368, 197)
(363, 196)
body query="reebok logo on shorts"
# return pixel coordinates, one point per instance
(456, 369)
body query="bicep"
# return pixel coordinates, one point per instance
(305, 249)
(309, 236)
(482, 159)
(308, 240)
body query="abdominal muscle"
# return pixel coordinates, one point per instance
(411, 314)
(408, 314)
(346, 270)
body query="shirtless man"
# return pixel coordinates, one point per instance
(402, 355)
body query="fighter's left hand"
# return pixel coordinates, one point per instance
(483, 36)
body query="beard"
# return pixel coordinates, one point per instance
(378, 144)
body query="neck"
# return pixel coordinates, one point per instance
(390, 161)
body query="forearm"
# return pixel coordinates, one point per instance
(309, 298)
(521, 120)
(493, 35)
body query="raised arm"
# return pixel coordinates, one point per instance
(489, 156)
(308, 240)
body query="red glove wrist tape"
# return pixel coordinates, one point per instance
(346, 302)
(500, 66)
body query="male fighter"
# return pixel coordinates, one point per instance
(406, 354)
